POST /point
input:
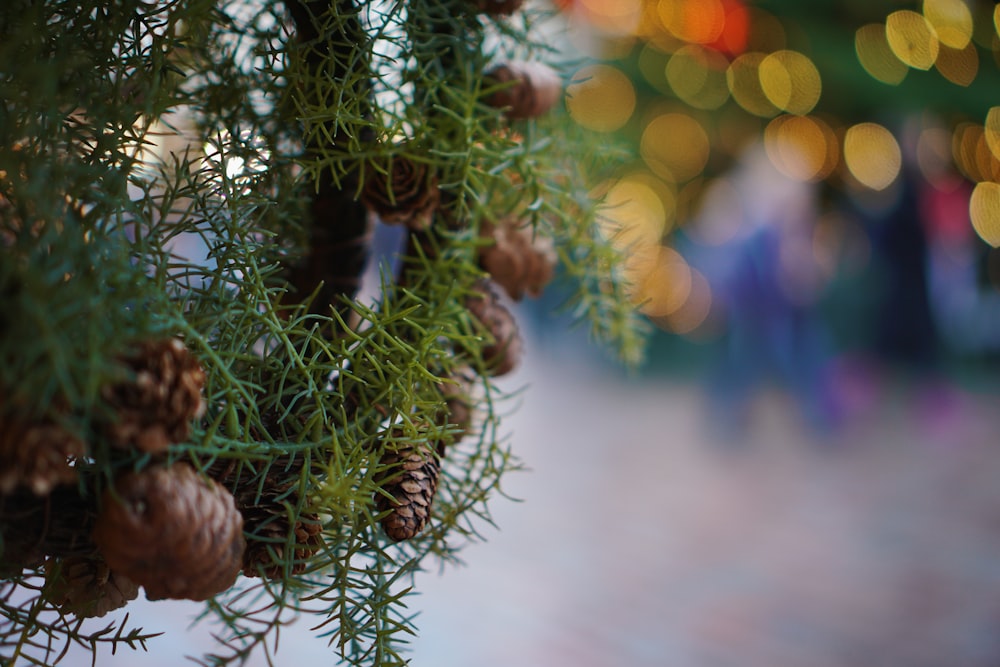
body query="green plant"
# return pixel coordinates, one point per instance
(168, 310)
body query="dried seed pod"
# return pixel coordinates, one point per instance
(410, 479)
(156, 407)
(269, 526)
(402, 192)
(86, 587)
(498, 7)
(525, 89)
(519, 260)
(172, 532)
(502, 353)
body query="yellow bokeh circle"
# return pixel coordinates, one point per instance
(912, 38)
(951, 20)
(636, 212)
(743, 78)
(992, 130)
(876, 56)
(872, 155)
(675, 147)
(984, 210)
(697, 75)
(659, 280)
(600, 98)
(801, 147)
(790, 81)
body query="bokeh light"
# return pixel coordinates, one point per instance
(992, 130)
(876, 56)
(984, 210)
(675, 146)
(802, 148)
(912, 38)
(767, 33)
(613, 16)
(659, 279)
(697, 75)
(600, 98)
(958, 65)
(872, 155)
(693, 21)
(951, 20)
(636, 211)
(743, 78)
(690, 317)
(652, 64)
(790, 81)
(972, 153)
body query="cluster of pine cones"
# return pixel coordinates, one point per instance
(167, 528)
(516, 261)
(178, 533)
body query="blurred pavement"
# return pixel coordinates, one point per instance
(642, 541)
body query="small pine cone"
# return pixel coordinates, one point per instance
(86, 587)
(498, 7)
(459, 405)
(503, 353)
(526, 89)
(519, 260)
(403, 192)
(410, 478)
(36, 455)
(157, 406)
(268, 528)
(172, 532)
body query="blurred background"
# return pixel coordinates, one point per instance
(803, 471)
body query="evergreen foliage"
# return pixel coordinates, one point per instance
(285, 111)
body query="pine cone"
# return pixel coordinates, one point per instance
(504, 7)
(410, 479)
(459, 406)
(402, 192)
(36, 455)
(86, 587)
(172, 532)
(503, 352)
(527, 89)
(519, 260)
(157, 406)
(268, 527)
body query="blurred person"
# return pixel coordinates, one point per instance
(766, 284)
(925, 305)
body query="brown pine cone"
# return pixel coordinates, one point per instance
(86, 587)
(172, 532)
(527, 89)
(503, 352)
(498, 7)
(519, 260)
(410, 479)
(459, 404)
(36, 455)
(402, 192)
(156, 407)
(268, 528)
